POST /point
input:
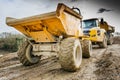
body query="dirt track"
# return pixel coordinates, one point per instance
(49, 68)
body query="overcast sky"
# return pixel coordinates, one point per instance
(89, 9)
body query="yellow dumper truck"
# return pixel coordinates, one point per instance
(99, 31)
(55, 32)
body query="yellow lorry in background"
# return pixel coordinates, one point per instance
(99, 31)
(55, 32)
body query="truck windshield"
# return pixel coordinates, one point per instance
(89, 23)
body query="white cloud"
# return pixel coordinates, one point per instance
(23, 8)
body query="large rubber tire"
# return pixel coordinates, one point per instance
(25, 54)
(70, 55)
(86, 48)
(110, 40)
(103, 44)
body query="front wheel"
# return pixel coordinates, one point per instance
(103, 44)
(110, 40)
(70, 55)
(86, 48)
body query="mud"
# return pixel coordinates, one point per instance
(109, 65)
(49, 68)
(116, 40)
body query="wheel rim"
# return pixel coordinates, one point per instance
(78, 55)
(105, 42)
(90, 49)
(29, 55)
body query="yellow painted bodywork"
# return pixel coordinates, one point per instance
(45, 27)
(93, 35)
(97, 34)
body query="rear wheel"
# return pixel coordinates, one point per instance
(86, 48)
(104, 43)
(70, 55)
(25, 54)
(110, 40)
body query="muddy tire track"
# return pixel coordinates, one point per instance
(48, 69)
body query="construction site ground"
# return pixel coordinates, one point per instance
(103, 65)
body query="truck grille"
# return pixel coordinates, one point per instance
(86, 32)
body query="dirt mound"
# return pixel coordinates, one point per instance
(108, 67)
(116, 40)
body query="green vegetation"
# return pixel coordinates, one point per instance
(10, 42)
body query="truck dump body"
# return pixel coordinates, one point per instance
(107, 27)
(45, 27)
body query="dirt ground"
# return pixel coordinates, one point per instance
(103, 65)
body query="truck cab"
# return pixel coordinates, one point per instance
(88, 25)
(96, 29)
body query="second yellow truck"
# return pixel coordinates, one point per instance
(99, 31)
